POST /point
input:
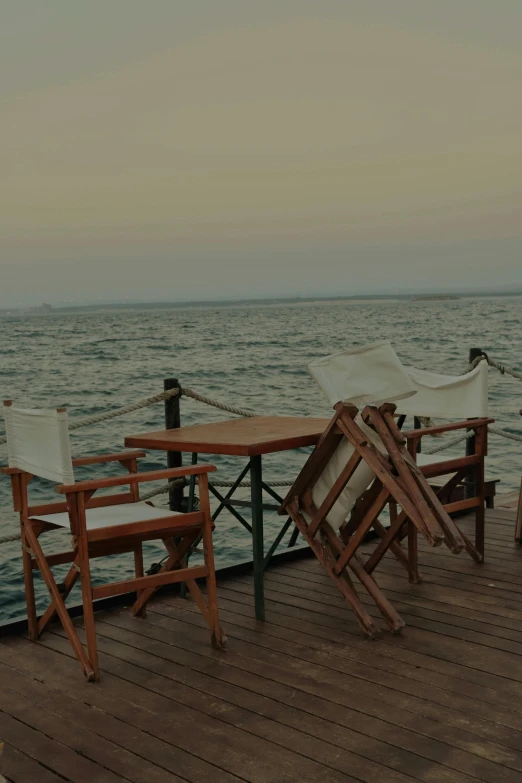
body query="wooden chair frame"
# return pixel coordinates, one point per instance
(178, 533)
(469, 469)
(398, 481)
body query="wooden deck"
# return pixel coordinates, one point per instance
(301, 697)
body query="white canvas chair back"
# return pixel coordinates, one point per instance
(38, 442)
(370, 375)
(447, 396)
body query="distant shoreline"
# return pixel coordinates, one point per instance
(416, 298)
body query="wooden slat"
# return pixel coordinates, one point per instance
(159, 527)
(300, 697)
(146, 582)
(20, 768)
(331, 684)
(441, 428)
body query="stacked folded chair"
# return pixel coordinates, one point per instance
(363, 463)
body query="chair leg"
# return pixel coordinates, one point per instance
(59, 604)
(393, 619)
(138, 570)
(413, 555)
(480, 516)
(32, 623)
(328, 557)
(88, 608)
(218, 638)
(216, 632)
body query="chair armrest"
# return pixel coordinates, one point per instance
(98, 459)
(469, 424)
(134, 478)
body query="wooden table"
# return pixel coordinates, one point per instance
(249, 437)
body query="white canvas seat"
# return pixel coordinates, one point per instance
(111, 516)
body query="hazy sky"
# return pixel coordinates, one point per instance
(196, 148)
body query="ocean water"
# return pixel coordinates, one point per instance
(251, 356)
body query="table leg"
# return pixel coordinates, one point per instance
(258, 550)
(190, 507)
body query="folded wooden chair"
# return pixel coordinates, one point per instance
(356, 469)
(463, 399)
(38, 445)
(354, 374)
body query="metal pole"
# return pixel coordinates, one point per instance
(258, 549)
(174, 458)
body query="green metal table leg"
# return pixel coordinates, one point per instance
(258, 550)
(190, 507)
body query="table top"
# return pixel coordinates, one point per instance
(237, 437)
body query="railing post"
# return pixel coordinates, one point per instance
(174, 458)
(417, 426)
(470, 442)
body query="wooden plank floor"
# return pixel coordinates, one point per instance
(302, 697)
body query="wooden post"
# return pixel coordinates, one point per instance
(417, 426)
(470, 442)
(174, 458)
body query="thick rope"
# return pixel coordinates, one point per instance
(216, 483)
(502, 368)
(505, 434)
(135, 406)
(222, 406)
(161, 397)
(162, 490)
(449, 443)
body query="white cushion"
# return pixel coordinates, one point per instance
(110, 516)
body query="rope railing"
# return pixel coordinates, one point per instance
(160, 397)
(135, 406)
(206, 400)
(505, 434)
(447, 444)
(502, 368)
(222, 406)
